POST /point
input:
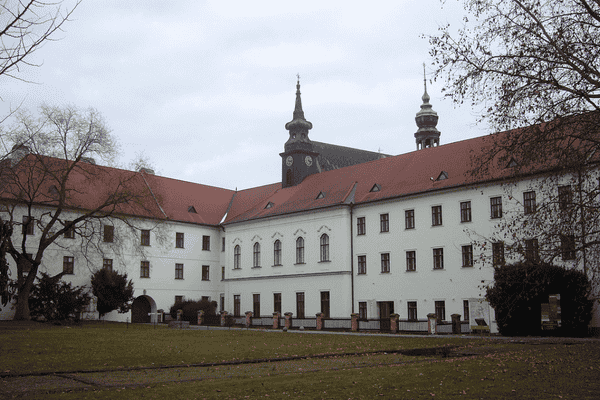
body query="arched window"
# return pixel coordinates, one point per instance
(277, 253)
(324, 247)
(237, 255)
(256, 263)
(300, 250)
(288, 177)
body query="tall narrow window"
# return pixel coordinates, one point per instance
(325, 303)
(498, 253)
(532, 250)
(256, 305)
(223, 244)
(145, 269)
(70, 233)
(411, 260)
(222, 302)
(178, 271)
(567, 247)
(236, 305)
(324, 247)
(385, 263)
(28, 224)
(277, 253)
(288, 177)
(362, 310)
(145, 237)
(179, 240)
(68, 265)
(222, 273)
(467, 255)
(107, 264)
(496, 207)
(237, 257)
(384, 222)
(440, 310)
(362, 265)
(436, 215)
(412, 310)
(361, 226)
(300, 304)
(206, 242)
(565, 197)
(438, 258)
(277, 302)
(409, 219)
(529, 205)
(465, 211)
(466, 310)
(109, 233)
(206, 272)
(300, 250)
(256, 255)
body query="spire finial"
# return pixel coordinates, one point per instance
(298, 121)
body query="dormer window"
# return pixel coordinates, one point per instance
(376, 188)
(269, 205)
(320, 196)
(191, 209)
(512, 163)
(442, 176)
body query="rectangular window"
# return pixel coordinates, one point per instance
(145, 269)
(68, 265)
(222, 302)
(412, 310)
(300, 304)
(178, 299)
(465, 310)
(467, 255)
(411, 260)
(385, 263)
(70, 233)
(179, 240)
(236, 305)
(277, 303)
(178, 271)
(362, 310)
(496, 207)
(145, 237)
(109, 233)
(206, 243)
(222, 245)
(362, 265)
(436, 215)
(438, 258)
(565, 197)
(361, 227)
(28, 224)
(205, 299)
(409, 219)
(529, 205)
(440, 310)
(325, 303)
(222, 273)
(532, 250)
(465, 211)
(384, 222)
(107, 264)
(567, 247)
(206, 272)
(498, 253)
(256, 305)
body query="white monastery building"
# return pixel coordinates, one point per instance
(345, 231)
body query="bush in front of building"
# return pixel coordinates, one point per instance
(55, 300)
(520, 289)
(191, 307)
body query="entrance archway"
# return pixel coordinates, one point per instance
(141, 309)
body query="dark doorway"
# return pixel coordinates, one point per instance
(386, 308)
(140, 309)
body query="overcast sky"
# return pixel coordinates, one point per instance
(203, 89)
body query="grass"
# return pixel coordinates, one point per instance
(500, 370)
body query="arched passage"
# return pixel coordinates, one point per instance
(143, 310)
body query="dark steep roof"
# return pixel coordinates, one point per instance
(333, 157)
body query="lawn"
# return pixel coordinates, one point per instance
(487, 369)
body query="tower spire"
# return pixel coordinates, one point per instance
(427, 135)
(298, 126)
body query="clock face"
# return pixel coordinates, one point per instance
(289, 161)
(308, 160)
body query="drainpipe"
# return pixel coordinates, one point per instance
(352, 255)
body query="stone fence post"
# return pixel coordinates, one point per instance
(288, 320)
(276, 316)
(354, 318)
(432, 323)
(394, 323)
(320, 321)
(179, 315)
(223, 317)
(248, 319)
(200, 314)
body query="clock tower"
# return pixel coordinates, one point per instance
(299, 158)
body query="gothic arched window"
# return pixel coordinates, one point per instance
(256, 258)
(324, 247)
(237, 255)
(300, 250)
(277, 253)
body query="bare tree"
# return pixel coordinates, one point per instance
(51, 187)
(24, 27)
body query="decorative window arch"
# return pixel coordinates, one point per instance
(277, 252)
(256, 258)
(237, 255)
(324, 247)
(300, 250)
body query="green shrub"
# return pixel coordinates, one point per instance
(54, 300)
(191, 307)
(112, 290)
(520, 289)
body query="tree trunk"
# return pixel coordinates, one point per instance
(22, 306)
